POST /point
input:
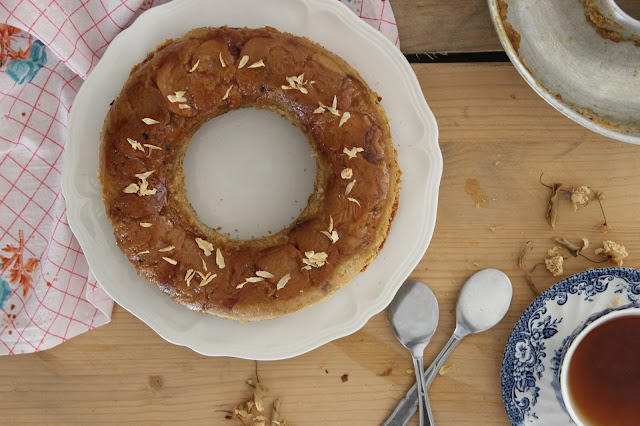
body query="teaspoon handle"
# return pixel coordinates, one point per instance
(407, 406)
(437, 364)
(423, 402)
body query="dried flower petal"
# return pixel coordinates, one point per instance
(573, 249)
(554, 263)
(614, 251)
(580, 196)
(521, 263)
(552, 207)
(444, 369)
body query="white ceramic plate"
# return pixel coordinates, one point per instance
(592, 80)
(414, 131)
(533, 355)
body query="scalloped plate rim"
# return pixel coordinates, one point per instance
(428, 144)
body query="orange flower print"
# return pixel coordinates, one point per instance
(6, 52)
(19, 270)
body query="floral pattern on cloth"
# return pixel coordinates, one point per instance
(47, 292)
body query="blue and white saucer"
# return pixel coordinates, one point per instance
(531, 362)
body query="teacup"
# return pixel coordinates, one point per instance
(600, 374)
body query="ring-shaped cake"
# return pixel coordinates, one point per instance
(208, 72)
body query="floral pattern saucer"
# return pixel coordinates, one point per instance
(532, 357)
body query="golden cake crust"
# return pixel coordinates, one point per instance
(210, 71)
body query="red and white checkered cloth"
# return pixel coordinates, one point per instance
(47, 47)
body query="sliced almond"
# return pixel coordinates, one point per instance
(353, 152)
(330, 223)
(168, 248)
(135, 144)
(204, 265)
(254, 279)
(193, 68)
(189, 276)
(131, 189)
(346, 116)
(205, 246)
(219, 259)
(221, 60)
(184, 106)
(319, 110)
(151, 147)
(170, 260)
(283, 281)
(241, 284)
(333, 235)
(353, 200)
(208, 279)
(144, 176)
(146, 224)
(346, 173)
(264, 274)
(349, 187)
(258, 64)
(178, 97)
(149, 121)
(243, 61)
(143, 252)
(226, 94)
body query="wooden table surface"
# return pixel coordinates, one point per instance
(496, 134)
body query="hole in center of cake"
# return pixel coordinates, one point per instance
(249, 173)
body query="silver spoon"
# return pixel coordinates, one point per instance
(413, 314)
(482, 303)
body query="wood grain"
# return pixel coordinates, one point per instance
(436, 26)
(454, 26)
(494, 129)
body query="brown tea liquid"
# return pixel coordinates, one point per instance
(604, 374)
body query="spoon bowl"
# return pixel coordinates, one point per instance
(413, 314)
